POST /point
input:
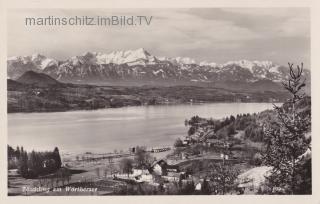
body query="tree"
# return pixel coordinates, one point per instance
(191, 130)
(223, 178)
(178, 143)
(188, 188)
(285, 138)
(126, 165)
(57, 157)
(11, 152)
(254, 132)
(180, 181)
(18, 152)
(23, 163)
(98, 172)
(205, 188)
(142, 157)
(232, 118)
(34, 164)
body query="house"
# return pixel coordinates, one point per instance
(186, 142)
(142, 175)
(138, 172)
(184, 155)
(162, 168)
(137, 176)
(173, 168)
(156, 169)
(159, 170)
(48, 163)
(175, 176)
(171, 178)
(198, 186)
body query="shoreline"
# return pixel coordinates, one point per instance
(129, 106)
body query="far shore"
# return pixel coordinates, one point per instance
(164, 104)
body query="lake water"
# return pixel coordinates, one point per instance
(109, 129)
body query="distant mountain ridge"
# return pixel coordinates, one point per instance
(142, 67)
(40, 79)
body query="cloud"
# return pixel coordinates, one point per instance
(271, 21)
(205, 34)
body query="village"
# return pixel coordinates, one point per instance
(160, 170)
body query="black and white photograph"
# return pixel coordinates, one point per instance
(159, 101)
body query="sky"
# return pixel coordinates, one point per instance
(218, 35)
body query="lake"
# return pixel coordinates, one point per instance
(105, 130)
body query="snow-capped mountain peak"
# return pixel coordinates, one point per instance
(210, 64)
(37, 57)
(250, 65)
(178, 60)
(37, 60)
(185, 60)
(47, 62)
(13, 58)
(139, 64)
(132, 57)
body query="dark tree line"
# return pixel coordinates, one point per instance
(33, 164)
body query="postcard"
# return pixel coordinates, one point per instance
(161, 102)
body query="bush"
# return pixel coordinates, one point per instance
(257, 159)
(178, 143)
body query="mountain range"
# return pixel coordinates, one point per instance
(141, 67)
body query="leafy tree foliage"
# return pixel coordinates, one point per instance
(254, 132)
(286, 140)
(222, 177)
(142, 158)
(178, 143)
(250, 123)
(126, 165)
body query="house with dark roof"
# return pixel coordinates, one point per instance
(162, 168)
